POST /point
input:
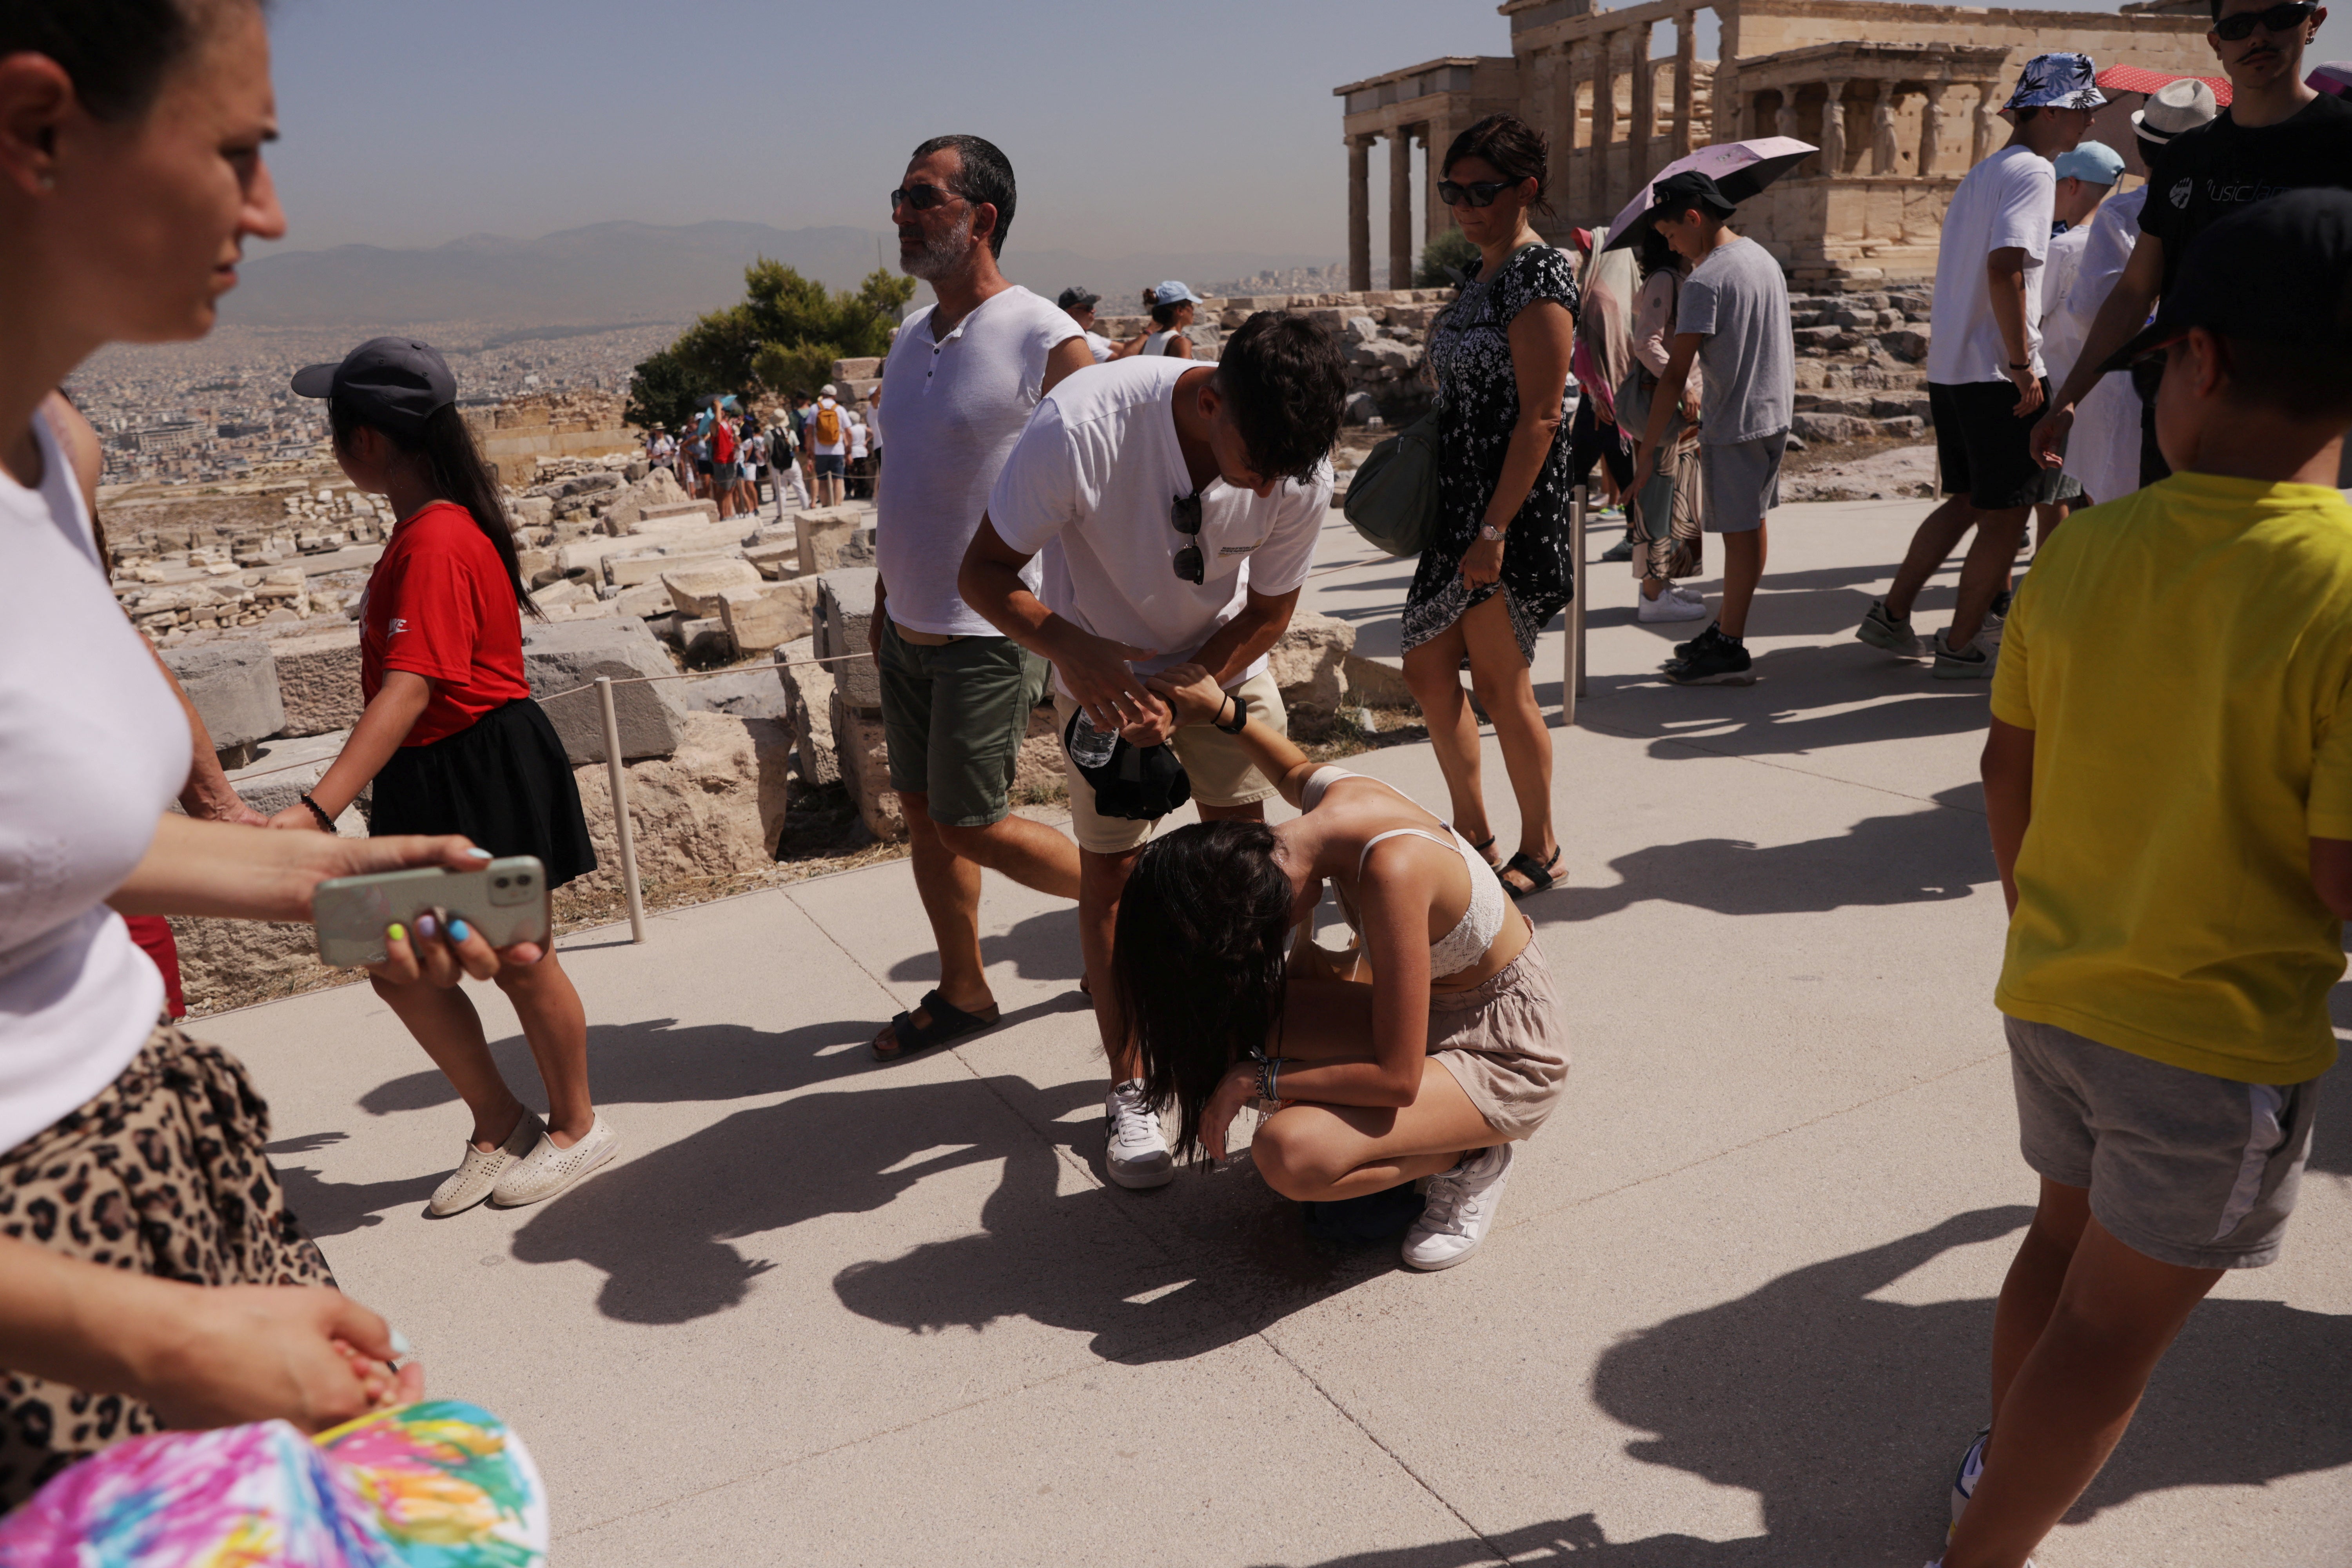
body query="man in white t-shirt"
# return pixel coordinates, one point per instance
(1986, 380)
(1177, 507)
(1080, 304)
(959, 382)
(2085, 177)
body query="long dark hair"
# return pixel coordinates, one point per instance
(1517, 150)
(1199, 960)
(453, 467)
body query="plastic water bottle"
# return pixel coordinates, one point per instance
(1090, 747)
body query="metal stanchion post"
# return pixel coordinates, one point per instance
(621, 827)
(1571, 672)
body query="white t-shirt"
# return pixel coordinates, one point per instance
(2060, 341)
(957, 405)
(857, 438)
(1100, 347)
(93, 747)
(817, 442)
(1093, 483)
(2009, 200)
(2102, 451)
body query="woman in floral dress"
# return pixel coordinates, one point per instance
(1496, 568)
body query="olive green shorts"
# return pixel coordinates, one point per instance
(954, 717)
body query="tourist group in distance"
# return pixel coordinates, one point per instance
(1120, 532)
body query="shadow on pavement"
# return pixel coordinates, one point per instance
(1924, 856)
(337, 1208)
(1043, 947)
(1844, 1414)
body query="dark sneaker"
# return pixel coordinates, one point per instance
(1974, 662)
(1620, 550)
(1882, 630)
(1716, 660)
(1713, 634)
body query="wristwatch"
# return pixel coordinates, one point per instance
(1241, 716)
(1490, 533)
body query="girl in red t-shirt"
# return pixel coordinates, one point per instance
(454, 744)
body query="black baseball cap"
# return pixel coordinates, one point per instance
(1138, 783)
(393, 383)
(2278, 271)
(1691, 188)
(1077, 298)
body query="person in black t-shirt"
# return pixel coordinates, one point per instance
(2277, 134)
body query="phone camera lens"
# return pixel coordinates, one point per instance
(523, 881)
(502, 881)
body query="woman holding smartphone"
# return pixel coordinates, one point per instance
(455, 745)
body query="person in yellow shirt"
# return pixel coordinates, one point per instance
(2168, 785)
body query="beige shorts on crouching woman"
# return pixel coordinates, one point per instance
(1505, 1043)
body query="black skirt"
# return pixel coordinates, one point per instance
(504, 783)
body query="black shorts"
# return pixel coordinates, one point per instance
(504, 783)
(1984, 447)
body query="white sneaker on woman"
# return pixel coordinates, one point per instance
(548, 1169)
(1461, 1210)
(1669, 605)
(1135, 1153)
(478, 1174)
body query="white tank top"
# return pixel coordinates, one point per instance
(1480, 923)
(1157, 343)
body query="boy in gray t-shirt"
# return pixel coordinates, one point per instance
(1733, 318)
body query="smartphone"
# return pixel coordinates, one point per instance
(506, 901)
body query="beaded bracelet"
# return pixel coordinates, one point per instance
(326, 823)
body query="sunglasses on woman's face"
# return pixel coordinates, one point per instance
(1185, 513)
(1476, 194)
(2281, 18)
(922, 198)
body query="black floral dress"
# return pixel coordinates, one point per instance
(1470, 349)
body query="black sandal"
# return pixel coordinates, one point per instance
(1538, 875)
(1480, 849)
(948, 1023)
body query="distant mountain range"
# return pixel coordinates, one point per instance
(624, 272)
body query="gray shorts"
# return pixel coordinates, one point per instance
(1742, 480)
(2194, 1171)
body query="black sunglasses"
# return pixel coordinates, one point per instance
(1476, 194)
(1184, 511)
(2279, 18)
(922, 198)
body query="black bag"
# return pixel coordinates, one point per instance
(1392, 499)
(1133, 784)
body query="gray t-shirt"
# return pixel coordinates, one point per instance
(1738, 298)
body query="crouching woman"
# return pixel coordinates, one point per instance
(1426, 1051)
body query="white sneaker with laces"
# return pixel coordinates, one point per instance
(548, 1169)
(1461, 1210)
(1685, 592)
(1668, 606)
(1136, 1153)
(478, 1174)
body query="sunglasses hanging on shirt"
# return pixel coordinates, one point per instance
(1184, 512)
(2282, 18)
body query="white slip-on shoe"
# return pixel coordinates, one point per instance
(1136, 1151)
(1668, 606)
(478, 1174)
(1461, 1211)
(548, 1169)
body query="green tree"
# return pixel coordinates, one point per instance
(785, 333)
(1451, 250)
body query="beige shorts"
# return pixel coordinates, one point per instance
(1221, 771)
(1505, 1043)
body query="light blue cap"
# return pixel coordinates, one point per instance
(2093, 162)
(1175, 293)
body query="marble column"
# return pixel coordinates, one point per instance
(1645, 109)
(1436, 136)
(1359, 211)
(1400, 206)
(1563, 124)
(1883, 158)
(1784, 118)
(1987, 122)
(1604, 122)
(1685, 84)
(1931, 129)
(1833, 161)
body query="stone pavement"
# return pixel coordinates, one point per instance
(1736, 1311)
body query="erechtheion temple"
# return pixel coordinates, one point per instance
(1901, 98)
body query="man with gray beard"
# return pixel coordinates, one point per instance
(959, 386)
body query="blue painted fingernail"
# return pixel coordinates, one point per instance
(457, 930)
(400, 1345)
(425, 925)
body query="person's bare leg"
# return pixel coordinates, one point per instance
(1031, 853)
(2029, 1294)
(445, 1023)
(948, 886)
(1932, 543)
(1507, 692)
(1432, 672)
(1743, 569)
(556, 1025)
(2074, 1394)
(1101, 879)
(1991, 556)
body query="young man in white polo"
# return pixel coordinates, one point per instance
(962, 380)
(1177, 506)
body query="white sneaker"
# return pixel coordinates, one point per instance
(1137, 1154)
(478, 1173)
(1669, 605)
(1461, 1211)
(1964, 1479)
(1685, 592)
(548, 1169)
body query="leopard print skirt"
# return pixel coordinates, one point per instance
(163, 1173)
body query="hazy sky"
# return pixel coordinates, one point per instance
(1194, 125)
